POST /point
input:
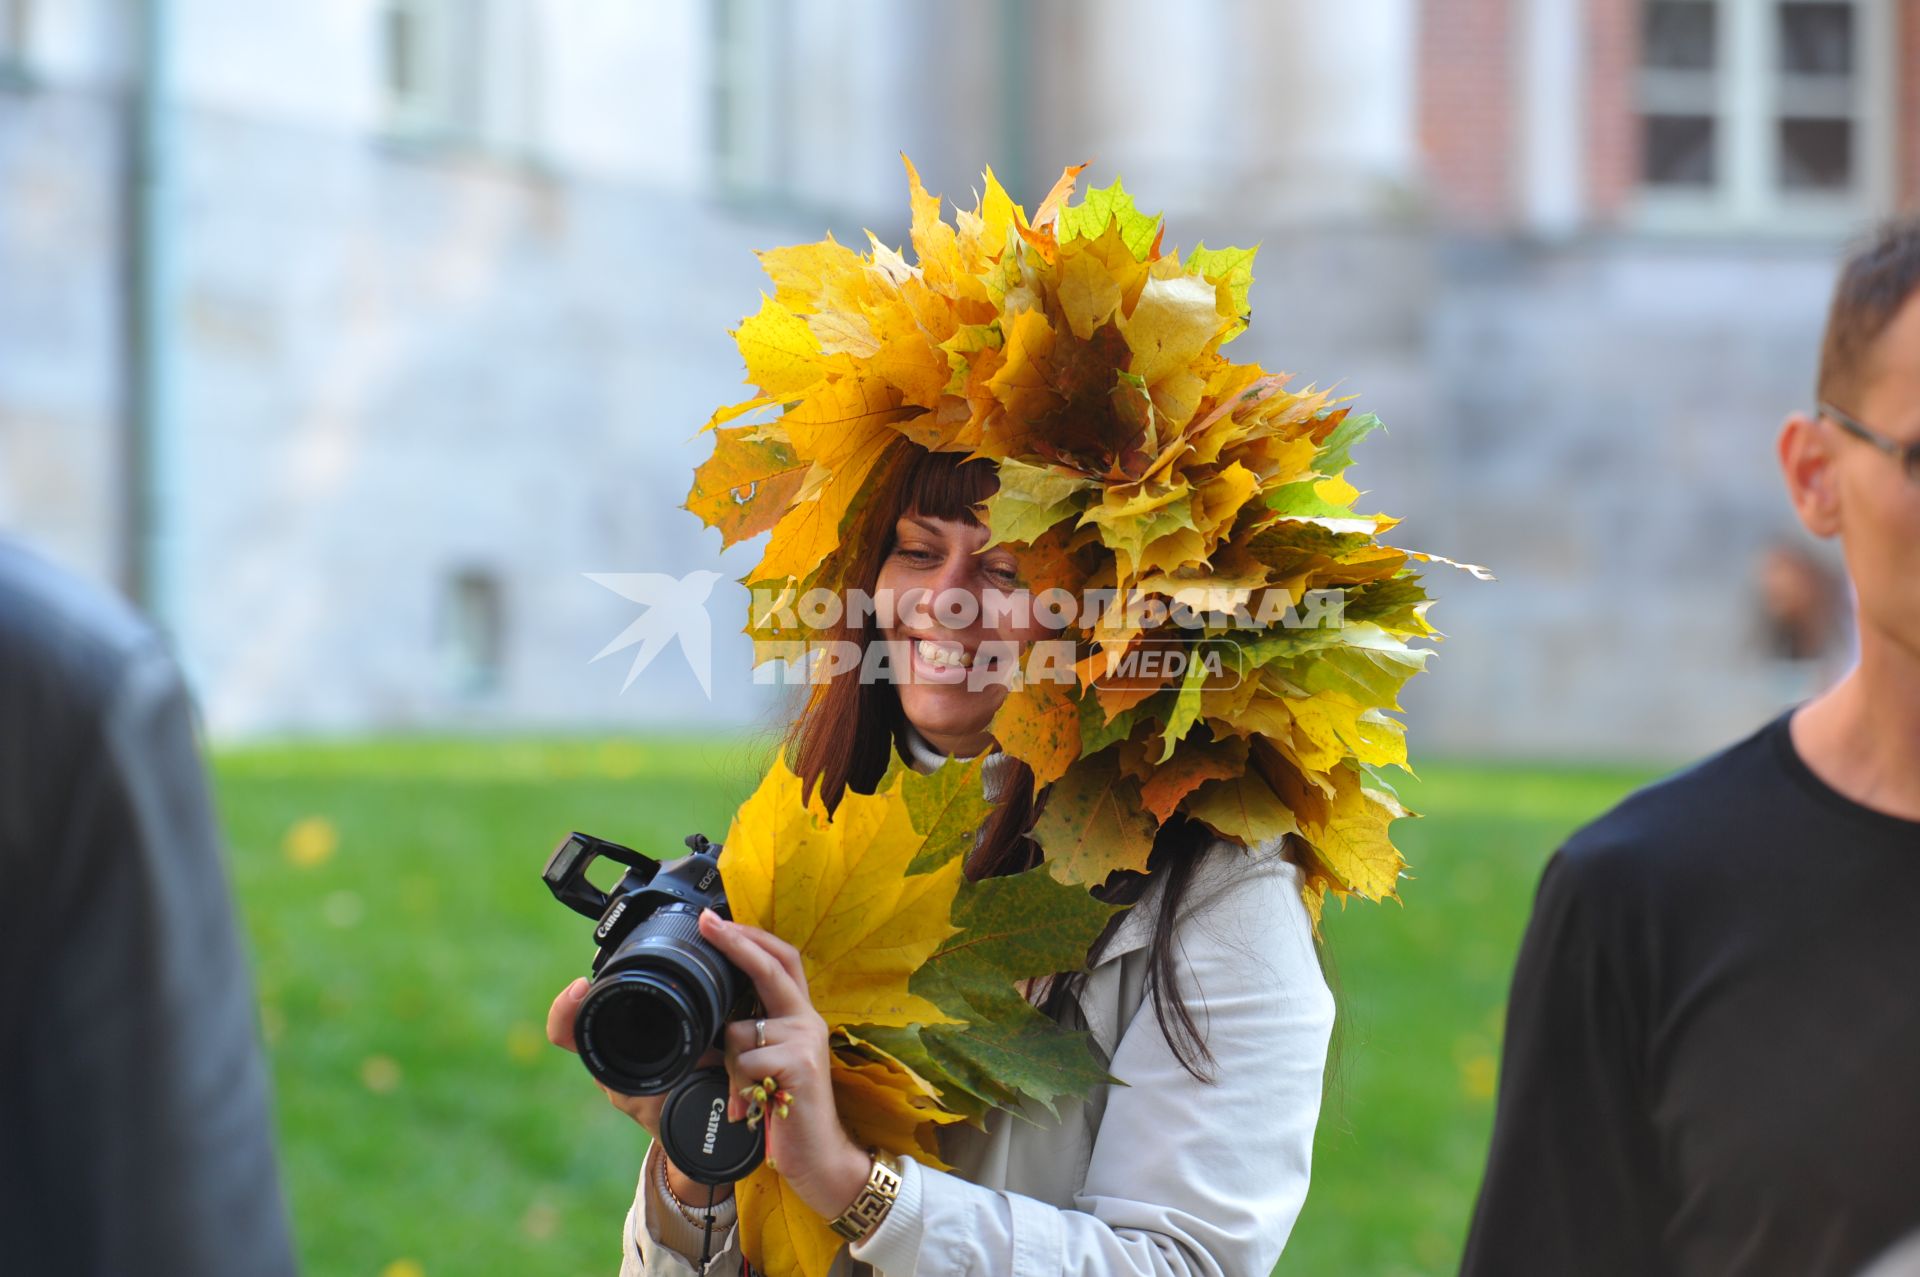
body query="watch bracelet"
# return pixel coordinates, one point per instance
(876, 1198)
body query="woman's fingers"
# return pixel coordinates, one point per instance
(560, 1017)
(782, 989)
(741, 1036)
(788, 1053)
(785, 954)
(793, 1068)
(561, 1014)
(790, 1066)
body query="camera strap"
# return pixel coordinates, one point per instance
(706, 1236)
(706, 1240)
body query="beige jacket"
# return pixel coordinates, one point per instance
(1161, 1177)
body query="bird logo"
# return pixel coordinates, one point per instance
(676, 607)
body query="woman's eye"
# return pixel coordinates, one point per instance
(914, 554)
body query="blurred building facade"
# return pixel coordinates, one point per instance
(397, 316)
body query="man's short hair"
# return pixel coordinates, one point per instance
(1877, 278)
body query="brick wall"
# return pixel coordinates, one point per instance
(1466, 109)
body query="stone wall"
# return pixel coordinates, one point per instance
(400, 369)
(1595, 423)
(60, 324)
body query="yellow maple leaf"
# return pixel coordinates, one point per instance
(1242, 807)
(1089, 294)
(884, 1105)
(1095, 823)
(806, 275)
(1348, 832)
(836, 888)
(935, 243)
(1172, 322)
(782, 354)
(779, 1232)
(842, 429)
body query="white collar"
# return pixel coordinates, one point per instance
(923, 756)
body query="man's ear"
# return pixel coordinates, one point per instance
(1807, 458)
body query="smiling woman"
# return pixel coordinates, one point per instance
(936, 556)
(1053, 384)
(1236, 1035)
(924, 539)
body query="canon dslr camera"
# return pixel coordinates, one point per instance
(661, 995)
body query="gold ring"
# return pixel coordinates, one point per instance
(759, 1033)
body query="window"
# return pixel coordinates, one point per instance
(473, 623)
(16, 28)
(1679, 128)
(1764, 113)
(462, 72)
(430, 68)
(746, 77)
(1818, 101)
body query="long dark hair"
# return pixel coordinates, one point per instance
(847, 734)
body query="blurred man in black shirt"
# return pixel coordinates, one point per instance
(134, 1131)
(1712, 1061)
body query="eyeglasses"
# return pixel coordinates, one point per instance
(1907, 454)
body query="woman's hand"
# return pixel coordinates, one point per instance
(644, 1109)
(808, 1146)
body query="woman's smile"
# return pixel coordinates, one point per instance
(941, 668)
(940, 660)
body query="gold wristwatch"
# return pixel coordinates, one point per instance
(875, 1199)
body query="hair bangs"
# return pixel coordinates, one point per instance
(945, 485)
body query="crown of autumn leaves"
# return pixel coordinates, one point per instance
(1083, 358)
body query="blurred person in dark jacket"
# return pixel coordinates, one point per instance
(135, 1137)
(1712, 1061)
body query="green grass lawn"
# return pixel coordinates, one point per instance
(406, 952)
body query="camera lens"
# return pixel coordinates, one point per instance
(658, 1004)
(636, 1026)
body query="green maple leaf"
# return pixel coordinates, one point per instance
(1234, 266)
(1096, 732)
(964, 1085)
(1336, 454)
(947, 806)
(1103, 205)
(1300, 500)
(1186, 703)
(1011, 928)
(1398, 604)
(1369, 665)
(1019, 1056)
(1032, 499)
